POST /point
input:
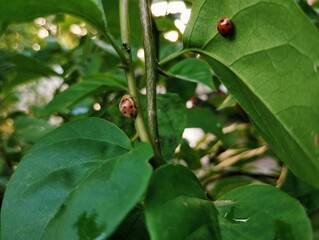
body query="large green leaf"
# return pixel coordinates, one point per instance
(262, 212)
(90, 85)
(176, 206)
(79, 182)
(16, 11)
(270, 66)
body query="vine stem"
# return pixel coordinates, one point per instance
(151, 72)
(129, 70)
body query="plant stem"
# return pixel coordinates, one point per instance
(129, 70)
(151, 72)
(114, 44)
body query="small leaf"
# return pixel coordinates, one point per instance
(83, 173)
(176, 206)
(189, 155)
(192, 70)
(17, 11)
(262, 212)
(171, 122)
(90, 85)
(205, 119)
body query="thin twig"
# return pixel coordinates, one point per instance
(151, 72)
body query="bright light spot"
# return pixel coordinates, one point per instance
(185, 15)
(140, 54)
(97, 106)
(176, 7)
(180, 25)
(193, 135)
(223, 88)
(75, 29)
(171, 36)
(40, 21)
(84, 31)
(53, 28)
(58, 69)
(159, 9)
(43, 33)
(189, 104)
(36, 47)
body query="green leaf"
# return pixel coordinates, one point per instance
(192, 70)
(133, 227)
(189, 155)
(25, 69)
(176, 206)
(186, 90)
(270, 68)
(80, 180)
(305, 193)
(262, 212)
(227, 184)
(90, 85)
(205, 119)
(31, 129)
(171, 113)
(111, 9)
(17, 11)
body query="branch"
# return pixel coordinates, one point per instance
(151, 72)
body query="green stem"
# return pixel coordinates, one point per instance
(129, 70)
(151, 72)
(173, 56)
(116, 47)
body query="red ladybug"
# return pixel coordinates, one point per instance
(127, 106)
(225, 27)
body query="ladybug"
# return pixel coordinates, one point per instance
(127, 106)
(225, 27)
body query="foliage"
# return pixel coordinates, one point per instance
(237, 118)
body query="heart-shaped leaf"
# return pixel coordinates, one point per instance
(271, 67)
